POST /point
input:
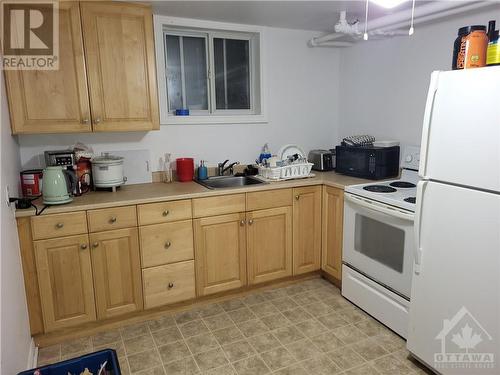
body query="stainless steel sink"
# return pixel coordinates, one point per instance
(224, 182)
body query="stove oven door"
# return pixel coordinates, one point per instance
(378, 242)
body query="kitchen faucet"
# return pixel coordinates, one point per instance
(221, 167)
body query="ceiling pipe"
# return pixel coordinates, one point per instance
(403, 16)
(334, 44)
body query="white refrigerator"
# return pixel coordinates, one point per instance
(455, 300)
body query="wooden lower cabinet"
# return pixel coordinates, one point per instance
(117, 272)
(220, 251)
(269, 244)
(168, 284)
(65, 280)
(306, 229)
(333, 216)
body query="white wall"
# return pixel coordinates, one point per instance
(15, 338)
(302, 102)
(384, 83)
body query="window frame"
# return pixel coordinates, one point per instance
(210, 29)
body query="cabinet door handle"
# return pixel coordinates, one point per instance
(59, 225)
(165, 213)
(297, 197)
(168, 244)
(97, 120)
(170, 285)
(250, 222)
(112, 220)
(242, 222)
(83, 246)
(85, 121)
(95, 244)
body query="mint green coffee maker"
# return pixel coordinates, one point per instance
(55, 185)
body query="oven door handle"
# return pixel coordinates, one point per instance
(379, 208)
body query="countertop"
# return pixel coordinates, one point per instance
(161, 192)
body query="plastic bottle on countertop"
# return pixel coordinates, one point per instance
(264, 153)
(202, 171)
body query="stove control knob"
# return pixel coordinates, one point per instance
(409, 158)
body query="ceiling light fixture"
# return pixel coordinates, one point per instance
(388, 3)
(412, 30)
(365, 35)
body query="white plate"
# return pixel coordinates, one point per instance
(289, 150)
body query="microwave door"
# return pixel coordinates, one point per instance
(379, 242)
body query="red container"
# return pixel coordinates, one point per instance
(31, 183)
(185, 169)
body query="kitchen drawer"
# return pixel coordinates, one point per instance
(164, 212)
(58, 225)
(112, 218)
(168, 284)
(166, 243)
(261, 200)
(224, 204)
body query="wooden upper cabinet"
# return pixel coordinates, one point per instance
(53, 101)
(119, 50)
(306, 229)
(116, 266)
(65, 280)
(269, 244)
(220, 247)
(333, 216)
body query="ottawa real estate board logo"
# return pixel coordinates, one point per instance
(465, 344)
(30, 35)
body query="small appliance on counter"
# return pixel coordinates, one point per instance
(31, 183)
(67, 160)
(107, 171)
(57, 184)
(369, 162)
(63, 158)
(323, 160)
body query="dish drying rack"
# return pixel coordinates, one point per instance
(287, 172)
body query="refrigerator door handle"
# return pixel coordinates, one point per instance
(418, 225)
(429, 108)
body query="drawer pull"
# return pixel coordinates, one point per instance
(112, 220)
(165, 213)
(242, 222)
(83, 246)
(59, 225)
(297, 197)
(95, 244)
(170, 285)
(250, 221)
(168, 244)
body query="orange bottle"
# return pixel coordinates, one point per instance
(472, 47)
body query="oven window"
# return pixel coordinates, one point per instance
(380, 242)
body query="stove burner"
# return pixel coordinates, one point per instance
(402, 184)
(411, 200)
(379, 189)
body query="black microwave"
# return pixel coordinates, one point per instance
(367, 161)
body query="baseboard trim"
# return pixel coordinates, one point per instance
(33, 355)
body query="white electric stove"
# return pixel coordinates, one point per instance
(378, 244)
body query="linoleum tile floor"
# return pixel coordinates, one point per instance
(305, 328)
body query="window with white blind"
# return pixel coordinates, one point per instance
(215, 73)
